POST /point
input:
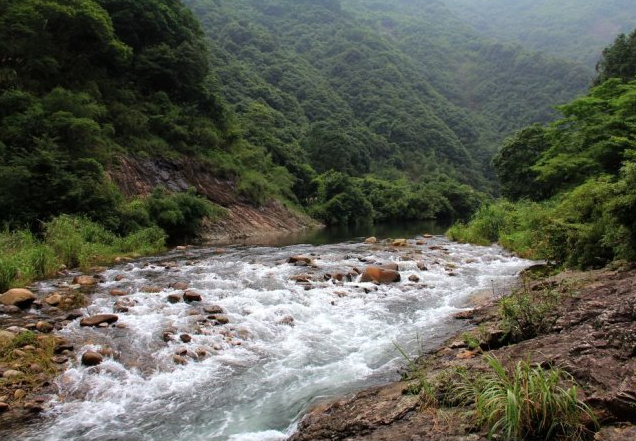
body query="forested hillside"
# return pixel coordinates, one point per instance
(571, 29)
(571, 184)
(399, 93)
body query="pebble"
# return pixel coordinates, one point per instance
(186, 338)
(192, 296)
(19, 394)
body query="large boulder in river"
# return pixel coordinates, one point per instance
(96, 320)
(380, 275)
(22, 298)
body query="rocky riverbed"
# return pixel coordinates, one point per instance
(232, 344)
(593, 338)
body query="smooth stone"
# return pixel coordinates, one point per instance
(84, 280)
(379, 275)
(12, 373)
(192, 296)
(118, 292)
(119, 277)
(213, 309)
(185, 338)
(414, 278)
(19, 394)
(53, 300)
(99, 319)
(175, 298)
(371, 240)
(296, 260)
(44, 327)
(60, 359)
(22, 298)
(178, 359)
(180, 286)
(91, 358)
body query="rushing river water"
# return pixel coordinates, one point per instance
(286, 346)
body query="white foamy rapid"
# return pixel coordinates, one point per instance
(261, 372)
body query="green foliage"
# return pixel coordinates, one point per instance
(526, 401)
(178, 214)
(618, 60)
(580, 171)
(526, 313)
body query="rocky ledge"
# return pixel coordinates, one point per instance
(592, 337)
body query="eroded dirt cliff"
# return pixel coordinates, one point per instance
(136, 176)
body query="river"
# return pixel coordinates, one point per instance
(287, 344)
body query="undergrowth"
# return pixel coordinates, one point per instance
(32, 352)
(525, 401)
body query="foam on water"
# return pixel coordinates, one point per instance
(260, 374)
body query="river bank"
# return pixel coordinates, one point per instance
(592, 338)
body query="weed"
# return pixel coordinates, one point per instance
(527, 313)
(525, 401)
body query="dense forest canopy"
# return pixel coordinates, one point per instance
(571, 29)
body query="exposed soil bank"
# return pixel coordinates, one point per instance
(594, 340)
(141, 176)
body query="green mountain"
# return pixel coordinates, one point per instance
(354, 111)
(571, 29)
(401, 93)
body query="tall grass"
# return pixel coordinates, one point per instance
(526, 401)
(71, 241)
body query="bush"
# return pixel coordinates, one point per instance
(526, 401)
(527, 313)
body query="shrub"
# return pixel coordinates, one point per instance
(527, 313)
(526, 401)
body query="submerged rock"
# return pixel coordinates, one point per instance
(85, 280)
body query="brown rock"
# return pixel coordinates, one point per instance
(192, 296)
(99, 319)
(12, 374)
(371, 240)
(4, 407)
(44, 327)
(299, 259)
(213, 309)
(19, 394)
(399, 243)
(180, 285)
(175, 298)
(119, 277)
(287, 320)
(53, 300)
(186, 338)
(59, 359)
(464, 315)
(301, 278)
(84, 280)
(118, 292)
(414, 278)
(222, 320)
(151, 289)
(380, 275)
(22, 298)
(421, 266)
(179, 359)
(91, 358)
